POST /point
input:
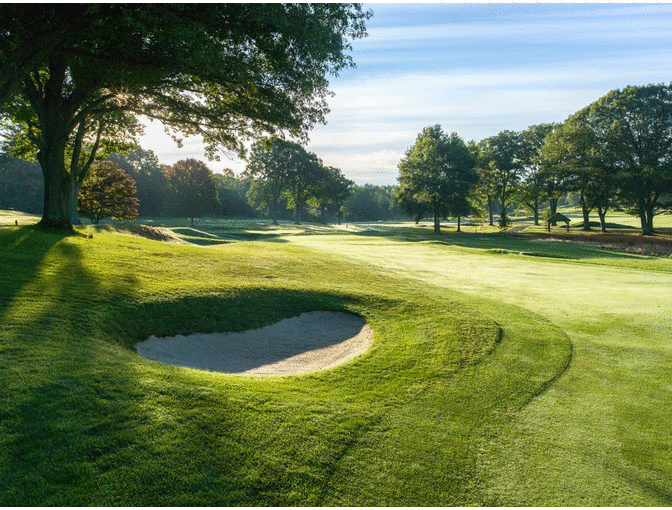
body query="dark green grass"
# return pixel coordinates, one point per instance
(85, 421)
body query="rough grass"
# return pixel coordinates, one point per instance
(86, 421)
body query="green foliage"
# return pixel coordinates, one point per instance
(232, 192)
(149, 177)
(371, 202)
(502, 160)
(437, 174)
(333, 189)
(193, 192)
(534, 187)
(225, 71)
(108, 192)
(21, 185)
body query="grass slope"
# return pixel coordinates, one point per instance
(85, 421)
(600, 434)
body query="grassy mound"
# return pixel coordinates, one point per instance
(86, 421)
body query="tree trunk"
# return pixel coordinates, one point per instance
(586, 217)
(437, 224)
(297, 214)
(274, 212)
(73, 202)
(458, 223)
(602, 213)
(192, 222)
(646, 220)
(55, 128)
(492, 222)
(57, 190)
(536, 212)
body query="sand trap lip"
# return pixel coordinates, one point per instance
(307, 343)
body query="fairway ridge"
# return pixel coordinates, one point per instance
(311, 342)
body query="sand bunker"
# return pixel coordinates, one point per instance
(310, 342)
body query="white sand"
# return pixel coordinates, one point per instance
(310, 342)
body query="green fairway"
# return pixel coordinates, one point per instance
(599, 436)
(504, 371)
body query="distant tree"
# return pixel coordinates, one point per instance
(484, 193)
(437, 172)
(232, 194)
(21, 182)
(634, 128)
(150, 179)
(108, 192)
(533, 187)
(502, 162)
(225, 71)
(192, 189)
(304, 177)
(269, 166)
(21, 185)
(340, 188)
(574, 152)
(371, 202)
(332, 190)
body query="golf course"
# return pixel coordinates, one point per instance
(505, 369)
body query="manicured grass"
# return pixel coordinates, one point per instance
(599, 435)
(505, 370)
(85, 421)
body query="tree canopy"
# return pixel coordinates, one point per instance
(502, 158)
(437, 172)
(108, 192)
(228, 72)
(193, 189)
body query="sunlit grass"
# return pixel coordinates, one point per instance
(86, 421)
(598, 435)
(471, 395)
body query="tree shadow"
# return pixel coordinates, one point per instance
(63, 418)
(23, 252)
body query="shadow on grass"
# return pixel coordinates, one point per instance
(84, 423)
(237, 310)
(62, 417)
(22, 256)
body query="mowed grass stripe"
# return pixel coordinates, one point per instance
(85, 421)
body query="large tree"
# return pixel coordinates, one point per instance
(575, 154)
(232, 190)
(193, 192)
(227, 72)
(437, 172)
(305, 175)
(484, 194)
(269, 166)
(108, 192)
(634, 126)
(533, 187)
(332, 190)
(502, 159)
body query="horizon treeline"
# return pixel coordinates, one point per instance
(614, 154)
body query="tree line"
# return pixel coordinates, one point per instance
(615, 153)
(135, 183)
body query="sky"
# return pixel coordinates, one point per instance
(475, 69)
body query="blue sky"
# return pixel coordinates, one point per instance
(475, 69)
